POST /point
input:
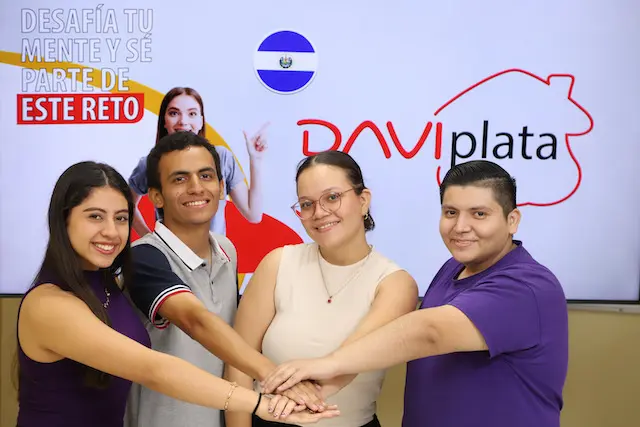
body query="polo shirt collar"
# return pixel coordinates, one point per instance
(190, 258)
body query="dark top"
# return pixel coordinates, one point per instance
(54, 394)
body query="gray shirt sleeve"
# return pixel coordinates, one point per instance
(231, 172)
(138, 178)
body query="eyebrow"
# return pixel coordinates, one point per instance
(326, 190)
(473, 208)
(181, 172)
(188, 109)
(103, 211)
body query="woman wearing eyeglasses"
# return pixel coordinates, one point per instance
(307, 300)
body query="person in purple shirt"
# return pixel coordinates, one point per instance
(80, 341)
(489, 346)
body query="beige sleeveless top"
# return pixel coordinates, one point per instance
(307, 326)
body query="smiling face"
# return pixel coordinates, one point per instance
(98, 228)
(190, 191)
(341, 220)
(474, 228)
(183, 114)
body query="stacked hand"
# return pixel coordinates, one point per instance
(301, 404)
(307, 395)
(297, 401)
(281, 409)
(287, 375)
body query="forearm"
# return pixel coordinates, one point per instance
(406, 338)
(336, 384)
(176, 378)
(224, 342)
(138, 223)
(255, 192)
(238, 419)
(385, 309)
(341, 381)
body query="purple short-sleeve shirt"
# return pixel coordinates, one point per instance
(520, 309)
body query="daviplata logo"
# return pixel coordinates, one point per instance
(519, 120)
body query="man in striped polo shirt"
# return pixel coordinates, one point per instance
(185, 280)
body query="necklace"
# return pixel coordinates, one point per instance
(108, 294)
(353, 276)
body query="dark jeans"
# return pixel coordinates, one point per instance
(259, 422)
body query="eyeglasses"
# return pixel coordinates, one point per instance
(329, 202)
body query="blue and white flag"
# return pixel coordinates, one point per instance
(285, 62)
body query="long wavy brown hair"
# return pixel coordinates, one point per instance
(177, 91)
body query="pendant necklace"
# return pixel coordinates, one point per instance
(353, 276)
(108, 294)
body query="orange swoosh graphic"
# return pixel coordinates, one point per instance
(152, 98)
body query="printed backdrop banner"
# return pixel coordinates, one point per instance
(408, 88)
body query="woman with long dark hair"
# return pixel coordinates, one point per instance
(80, 342)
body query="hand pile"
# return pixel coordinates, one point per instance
(293, 395)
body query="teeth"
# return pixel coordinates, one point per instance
(198, 203)
(106, 248)
(327, 225)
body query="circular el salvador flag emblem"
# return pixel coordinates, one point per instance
(285, 62)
